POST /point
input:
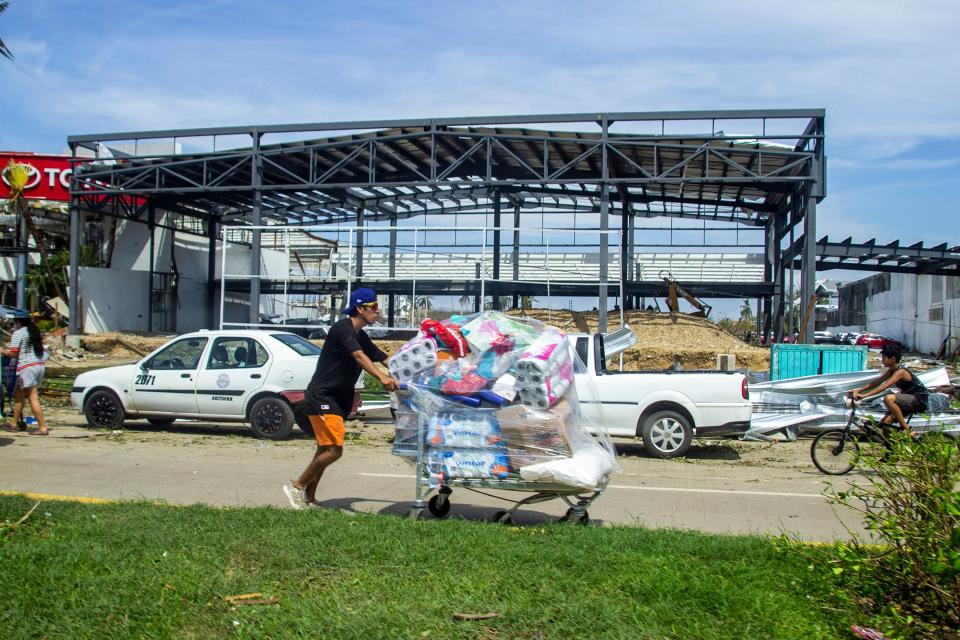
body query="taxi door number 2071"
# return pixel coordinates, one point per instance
(145, 379)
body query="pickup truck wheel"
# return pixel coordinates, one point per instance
(667, 434)
(161, 422)
(272, 418)
(104, 410)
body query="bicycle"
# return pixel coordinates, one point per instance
(835, 452)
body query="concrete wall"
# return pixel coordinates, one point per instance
(911, 312)
(8, 266)
(131, 249)
(115, 299)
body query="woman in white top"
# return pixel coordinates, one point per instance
(26, 344)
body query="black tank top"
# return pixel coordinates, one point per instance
(914, 388)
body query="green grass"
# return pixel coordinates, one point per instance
(142, 570)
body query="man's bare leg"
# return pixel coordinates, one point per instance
(322, 458)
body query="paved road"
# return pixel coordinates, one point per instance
(722, 488)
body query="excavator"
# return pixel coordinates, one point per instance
(674, 290)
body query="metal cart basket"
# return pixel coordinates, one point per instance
(577, 500)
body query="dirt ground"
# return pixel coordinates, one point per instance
(375, 431)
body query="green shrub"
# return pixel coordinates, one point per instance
(905, 574)
(46, 326)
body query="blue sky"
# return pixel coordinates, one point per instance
(886, 72)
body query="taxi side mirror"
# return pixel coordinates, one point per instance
(145, 365)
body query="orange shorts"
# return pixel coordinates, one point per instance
(328, 429)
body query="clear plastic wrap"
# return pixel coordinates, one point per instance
(508, 409)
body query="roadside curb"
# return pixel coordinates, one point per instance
(50, 496)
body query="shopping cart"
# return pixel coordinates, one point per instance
(411, 442)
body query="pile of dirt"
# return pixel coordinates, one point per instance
(117, 345)
(662, 341)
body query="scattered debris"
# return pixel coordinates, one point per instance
(250, 598)
(475, 616)
(786, 408)
(867, 634)
(9, 528)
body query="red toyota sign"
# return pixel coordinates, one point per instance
(48, 176)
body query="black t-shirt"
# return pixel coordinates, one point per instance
(331, 388)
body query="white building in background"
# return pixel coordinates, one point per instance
(118, 298)
(921, 311)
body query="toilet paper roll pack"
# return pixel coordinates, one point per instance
(413, 358)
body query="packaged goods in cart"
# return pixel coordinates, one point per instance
(413, 358)
(506, 402)
(465, 429)
(536, 436)
(446, 464)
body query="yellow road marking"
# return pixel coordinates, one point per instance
(50, 496)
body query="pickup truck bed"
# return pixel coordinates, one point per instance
(667, 409)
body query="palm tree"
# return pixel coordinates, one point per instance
(465, 300)
(418, 304)
(4, 51)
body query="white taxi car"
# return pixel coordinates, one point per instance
(254, 377)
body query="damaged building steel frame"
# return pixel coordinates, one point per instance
(636, 165)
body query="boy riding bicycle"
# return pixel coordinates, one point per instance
(912, 398)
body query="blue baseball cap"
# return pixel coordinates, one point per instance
(363, 295)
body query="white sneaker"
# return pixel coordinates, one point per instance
(296, 497)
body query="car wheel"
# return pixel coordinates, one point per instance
(104, 410)
(667, 434)
(161, 422)
(302, 419)
(272, 418)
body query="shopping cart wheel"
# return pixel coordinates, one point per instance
(439, 505)
(503, 517)
(575, 518)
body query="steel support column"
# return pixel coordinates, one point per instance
(74, 294)
(791, 293)
(255, 220)
(152, 226)
(808, 271)
(779, 264)
(359, 248)
(770, 248)
(494, 286)
(516, 252)
(392, 300)
(631, 241)
(211, 273)
(604, 227)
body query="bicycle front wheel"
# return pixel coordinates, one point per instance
(834, 452)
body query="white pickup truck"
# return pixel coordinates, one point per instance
(665, 408)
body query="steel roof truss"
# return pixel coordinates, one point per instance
(573, 163)
(537, 175)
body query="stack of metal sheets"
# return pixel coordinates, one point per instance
(792, 407)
